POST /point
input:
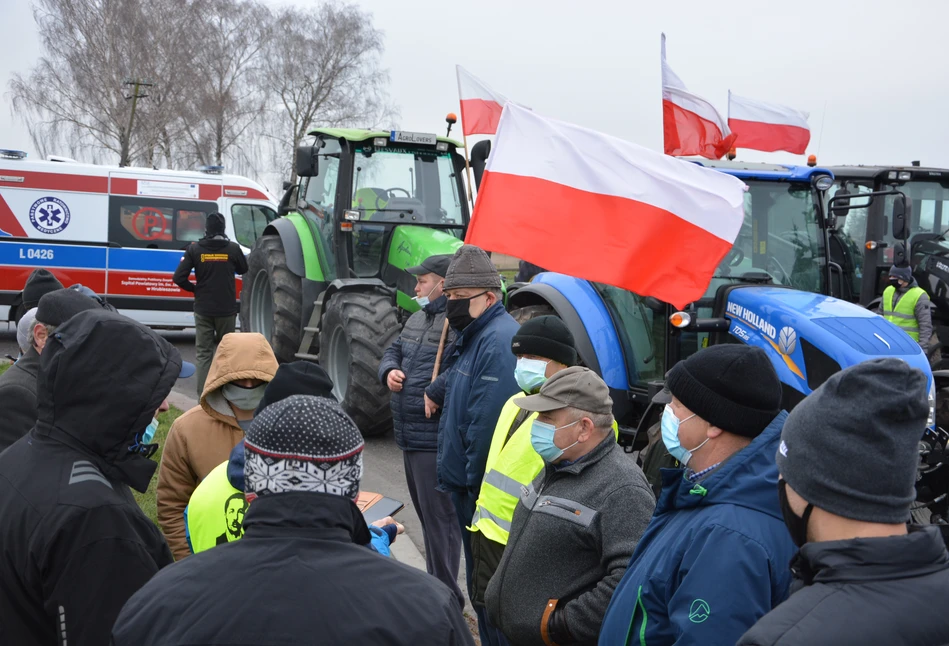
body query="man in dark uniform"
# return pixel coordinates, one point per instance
(215, 260)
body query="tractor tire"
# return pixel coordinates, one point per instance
(523, 314)
(356, 329)
(272, 298)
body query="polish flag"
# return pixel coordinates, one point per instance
(768, 126)
(480, 105)
(690, 124)
(592, 206)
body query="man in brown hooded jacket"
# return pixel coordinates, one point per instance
(203, 437)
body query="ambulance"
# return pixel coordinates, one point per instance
(119, 231)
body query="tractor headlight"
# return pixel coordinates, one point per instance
(932, 404)
(824, 182)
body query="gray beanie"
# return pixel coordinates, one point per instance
(851, 447)
(903, 273)
(24, 330)
(471, 267)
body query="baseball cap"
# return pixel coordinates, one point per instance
(576, 387)
(187, 369)
(432, 265)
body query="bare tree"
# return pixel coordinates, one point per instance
(322, 67)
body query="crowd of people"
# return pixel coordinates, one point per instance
(774, 528)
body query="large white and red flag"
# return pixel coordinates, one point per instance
(767, 126)
(480, 105)
(590, 205)
(690, 124)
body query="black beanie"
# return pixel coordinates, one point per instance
(214, 225)
(731, 386)
(57, 307)
(40, 282)
(852, 446)
(297, 378)
(548, 337)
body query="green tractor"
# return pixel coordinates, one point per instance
(327, 279)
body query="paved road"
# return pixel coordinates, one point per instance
(384, 472)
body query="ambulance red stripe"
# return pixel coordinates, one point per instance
(53, 181)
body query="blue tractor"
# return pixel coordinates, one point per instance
(771, 290)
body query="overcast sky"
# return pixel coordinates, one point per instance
(879, 67)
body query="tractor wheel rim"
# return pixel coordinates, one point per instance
(338, 364)
(261, 302)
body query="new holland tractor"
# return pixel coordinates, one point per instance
(766, 293)
(327, 280)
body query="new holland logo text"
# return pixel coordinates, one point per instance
(753, 319)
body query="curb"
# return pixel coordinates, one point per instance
(403, 549)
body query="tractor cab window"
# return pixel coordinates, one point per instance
(396, 185)
(781, 235)
(319, 206)
(930, 209)
(642, 326)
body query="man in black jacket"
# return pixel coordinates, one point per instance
(406, 369)
(301, 574)
(848, 458)
(215, 260)
(74, 545)
(18, 383)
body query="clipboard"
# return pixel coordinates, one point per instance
(375, 506)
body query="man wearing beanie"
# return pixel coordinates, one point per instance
(40, 282)
(406, 369)
(906, 305)
(848, 459)
(214, 260)
(543, 347)
(481, 379)
(714, 558)
(18, 383)
(301, 574)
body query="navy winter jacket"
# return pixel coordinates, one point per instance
(414, 354)
(714, 559)
(480, 381)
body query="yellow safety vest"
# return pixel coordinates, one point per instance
(215, 513)
(512, 464)
(904, 316)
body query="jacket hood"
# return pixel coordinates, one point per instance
(216, 242)
(921, 551)
(102, 376)
(283, 513)
(240, 355)
(748, 479)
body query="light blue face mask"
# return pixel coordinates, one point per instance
(670, 436)
(530, 374)
(243, 398)
(542, 439)
(150, 431)
(423, 300)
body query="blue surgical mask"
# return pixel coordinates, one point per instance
(530, 374)
(670, 436)
(542, 439)
(423, 300)
(243, 398)
(150, 431)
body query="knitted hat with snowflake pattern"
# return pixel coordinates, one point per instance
(303, 443)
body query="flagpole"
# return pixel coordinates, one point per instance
(464, 136)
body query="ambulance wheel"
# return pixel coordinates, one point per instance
(357, 328)
(272, 298)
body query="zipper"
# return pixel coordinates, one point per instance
(551, 503)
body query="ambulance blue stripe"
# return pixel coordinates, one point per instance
(144, 259)
(53, 255)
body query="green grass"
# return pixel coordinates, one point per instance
(4, 366)
(147, 500)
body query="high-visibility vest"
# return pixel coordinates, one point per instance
(512, 464)
(215, 513)
(904, 315)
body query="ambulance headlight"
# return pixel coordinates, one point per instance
(932, 404)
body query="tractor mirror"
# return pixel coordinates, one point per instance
(287, 185)
(899, 255)
(479, 157)
(901, 215)
(841, 201)
(308, 164)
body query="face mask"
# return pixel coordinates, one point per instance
(530, 374)
(797, 525)
(670, 436)
(150, 431)
(423, 300)
(542, 439)
(243, 398)
(895, 282)
(457, 312)
(144, 445)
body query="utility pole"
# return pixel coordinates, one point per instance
(127, 140)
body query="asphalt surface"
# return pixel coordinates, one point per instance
(383, 469)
